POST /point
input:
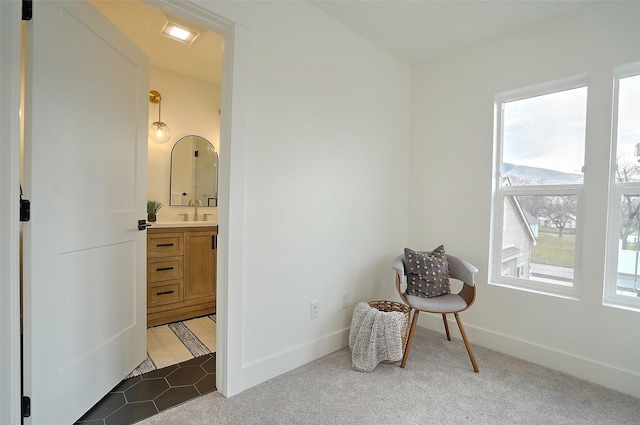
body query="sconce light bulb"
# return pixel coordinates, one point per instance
(159, 132)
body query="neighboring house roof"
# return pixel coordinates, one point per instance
(525, 219)
(530, 218)
(510, 252)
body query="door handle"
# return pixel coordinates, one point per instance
(142, 225)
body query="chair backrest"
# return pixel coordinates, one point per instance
(398, 266)
(458, 268)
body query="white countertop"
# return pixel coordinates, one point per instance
(182, 223)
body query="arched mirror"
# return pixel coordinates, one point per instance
(194, 172)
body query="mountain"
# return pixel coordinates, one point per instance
(536, 175)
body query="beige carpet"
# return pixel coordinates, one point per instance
(438, 386)
(178, 342)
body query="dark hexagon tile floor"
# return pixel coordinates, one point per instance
(140, 397)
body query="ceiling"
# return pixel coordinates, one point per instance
(142, 24)
(413, 31)
(419, 30)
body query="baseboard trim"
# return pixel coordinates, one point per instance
(609, 376)
(612, 377)
(262, 370)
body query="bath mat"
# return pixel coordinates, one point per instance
(189, 339)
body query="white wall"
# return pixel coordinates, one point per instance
(325, 183)
(451, 175)
(189, 106)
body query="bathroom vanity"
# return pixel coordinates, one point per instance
(181, 271)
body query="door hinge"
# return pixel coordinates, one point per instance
(25, 208)
(214, 241)
(26, 406)
(27, 10)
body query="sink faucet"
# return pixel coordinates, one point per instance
(195, 205)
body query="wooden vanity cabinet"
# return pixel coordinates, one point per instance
(181, 273)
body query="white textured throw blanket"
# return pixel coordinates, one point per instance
(375, 336)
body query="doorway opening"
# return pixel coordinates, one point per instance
(189, 78)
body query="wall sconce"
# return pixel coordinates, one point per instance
(159, 132)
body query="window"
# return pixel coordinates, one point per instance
(623, 266)
(540, 145)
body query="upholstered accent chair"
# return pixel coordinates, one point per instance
(443, 304)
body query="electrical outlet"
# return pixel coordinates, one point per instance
(345, 301)
(315, 309)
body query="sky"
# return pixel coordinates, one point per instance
(628, 118)
(549, 131)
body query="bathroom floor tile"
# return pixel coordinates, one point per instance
(160, 373)
(176, 396)
(140, 397)
(186, 376)
(210, 365)
(196, 361)
(126, 384)
(147, 389)
(109, 404)
(207, 384)
(132, 413)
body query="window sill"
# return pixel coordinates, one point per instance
(623, 303)
(572, 296)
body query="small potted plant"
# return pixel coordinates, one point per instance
(152, 209)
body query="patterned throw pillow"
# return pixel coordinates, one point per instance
(428, 273)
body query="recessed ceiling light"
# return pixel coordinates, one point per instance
(179, 32)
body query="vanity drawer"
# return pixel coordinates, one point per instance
(165, 244)
(167, 268)
(165, 292)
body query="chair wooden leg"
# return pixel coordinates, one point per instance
(410, 338)
(466, 343)
(446, 326)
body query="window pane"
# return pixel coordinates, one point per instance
(544, 138)
(538, 239)
(628, 280)
(628, 129)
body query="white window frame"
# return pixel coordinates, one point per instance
(617, 190)
(499, 192)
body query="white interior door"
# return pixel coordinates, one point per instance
(85, 173)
